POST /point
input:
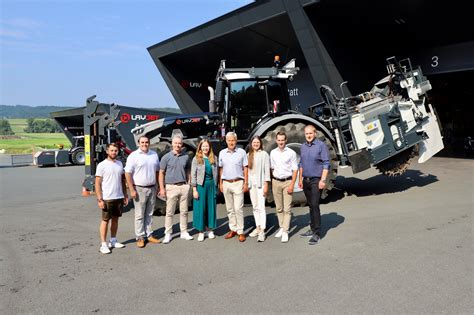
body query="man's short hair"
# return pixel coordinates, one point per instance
(231, 134)
(177, 136)
(143, 137)
(310, 126)
(112, 144)
(281, 133)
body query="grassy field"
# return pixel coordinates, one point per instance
(18, 125)
(31, 142)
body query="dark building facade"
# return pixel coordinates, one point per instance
(333, 41)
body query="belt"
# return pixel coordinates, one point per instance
(177, 184)
(310, 178)
(149, 186)
(283, 179)
(232, 180)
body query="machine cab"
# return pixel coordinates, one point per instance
(249, 100)
(245, 95)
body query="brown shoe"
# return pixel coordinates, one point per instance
(241, 237)
(231, 234)
(141, 243)
(153, 239)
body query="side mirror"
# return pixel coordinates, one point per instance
(220, 91)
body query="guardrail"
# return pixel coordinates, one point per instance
(9, 160)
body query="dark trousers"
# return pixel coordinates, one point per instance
(313, 194)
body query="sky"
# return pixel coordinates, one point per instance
(60, 52)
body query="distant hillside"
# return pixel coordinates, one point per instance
(23, 111)
(170, 109)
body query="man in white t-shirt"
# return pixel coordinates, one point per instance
(111, 196)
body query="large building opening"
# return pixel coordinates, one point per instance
(452, 96)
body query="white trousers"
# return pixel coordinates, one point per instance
(234, 202)
(258, 205)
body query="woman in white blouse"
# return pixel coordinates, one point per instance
(259, 178)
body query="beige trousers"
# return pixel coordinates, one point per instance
(234, 203)
(283, 202)
(175, 193)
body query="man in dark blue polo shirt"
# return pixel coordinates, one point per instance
(314, 169)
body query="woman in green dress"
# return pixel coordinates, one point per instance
(203, 181)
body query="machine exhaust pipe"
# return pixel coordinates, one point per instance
(212, 103)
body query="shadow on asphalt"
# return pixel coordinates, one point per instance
(378, 185)
(299, 222)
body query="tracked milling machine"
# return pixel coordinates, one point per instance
(385, 127)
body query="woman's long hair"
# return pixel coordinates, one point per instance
(252, 151)
(199, 154)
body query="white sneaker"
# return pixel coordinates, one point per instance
(104, 249)
(211, 235)
(167, 238)
(116, 244)
(261, 236)
(200, 237)
(254, 233)
(186, 236)
(279, 233)
(284, 237)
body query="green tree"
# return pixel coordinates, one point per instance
(42, 126)
(5, 128)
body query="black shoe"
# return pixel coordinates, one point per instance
(308, 233)
(314, 240)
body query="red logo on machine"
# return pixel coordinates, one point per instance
(188, 84)
(187, 121)
(126, 117)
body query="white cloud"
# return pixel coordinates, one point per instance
(115, 50)
(129, 47)
(23, 23)
(16, 34)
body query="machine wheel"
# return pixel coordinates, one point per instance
(398, 164)
(295, 135)
(161, 148)
(78, 157)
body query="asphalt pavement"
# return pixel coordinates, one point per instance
(390, 245)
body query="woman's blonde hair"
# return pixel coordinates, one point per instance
(199, 155)
(252, 151)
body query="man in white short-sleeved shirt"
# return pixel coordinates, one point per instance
(111, 196)
(284, 166)
(142, 172)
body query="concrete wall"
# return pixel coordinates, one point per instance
(9, 160)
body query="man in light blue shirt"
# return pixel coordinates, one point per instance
(233, 184)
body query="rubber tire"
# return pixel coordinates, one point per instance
(295, 137)
(78, 156)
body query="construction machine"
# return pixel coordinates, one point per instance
(384, 128)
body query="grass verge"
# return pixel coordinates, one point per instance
(23, 142)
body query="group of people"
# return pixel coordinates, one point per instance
(233, 172)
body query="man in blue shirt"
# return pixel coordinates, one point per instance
(314, 169)
(233, 184)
